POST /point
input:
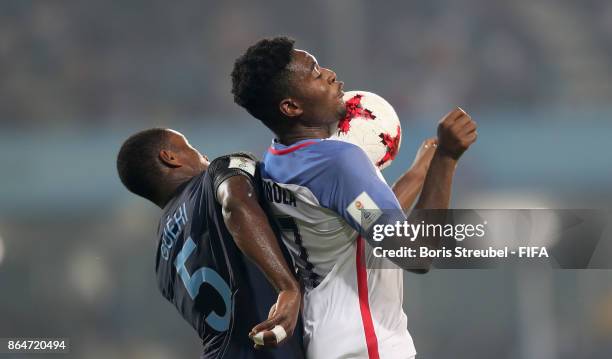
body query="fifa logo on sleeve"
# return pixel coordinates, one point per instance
(364, 210)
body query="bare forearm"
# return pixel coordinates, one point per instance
(456, 133)
(410, 184)
(436, 192)
(257, 241)
(408, 187)
(435, 195)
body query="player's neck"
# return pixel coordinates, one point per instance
(166, 195)
(303, 133)
(172, 188)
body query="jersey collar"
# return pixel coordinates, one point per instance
(279, 149)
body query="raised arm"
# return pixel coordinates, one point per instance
(456, 133)
(249, 227)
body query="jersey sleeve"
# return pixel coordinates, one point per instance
(355, 190)
(237, 164)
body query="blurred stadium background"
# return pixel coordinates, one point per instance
(77, 250)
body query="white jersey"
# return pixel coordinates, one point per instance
(317, 189)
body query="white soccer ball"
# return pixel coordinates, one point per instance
(372, 124)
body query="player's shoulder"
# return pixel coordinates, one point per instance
(313, 162)
(236, 156)
(333, 160)
(244, 161)
(241, 164)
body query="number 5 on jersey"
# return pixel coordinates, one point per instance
(205, 275)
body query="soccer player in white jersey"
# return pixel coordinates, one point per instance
(317, 187)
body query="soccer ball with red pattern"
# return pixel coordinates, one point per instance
(372, 124)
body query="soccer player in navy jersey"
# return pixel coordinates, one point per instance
(212, 221)
(318, 188)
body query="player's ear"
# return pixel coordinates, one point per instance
(290, 107)
(169, 158)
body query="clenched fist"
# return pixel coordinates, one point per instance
(283, 314)
(456, 133)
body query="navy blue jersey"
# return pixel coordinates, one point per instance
(203, 273)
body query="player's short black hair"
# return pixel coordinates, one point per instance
(138, 162)
(260, 77)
